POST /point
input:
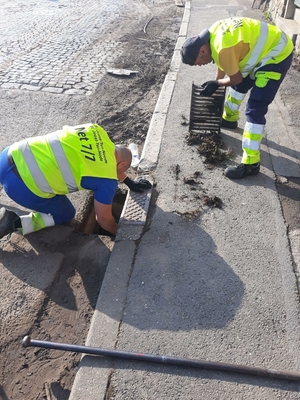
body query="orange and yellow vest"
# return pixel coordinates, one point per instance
(267, 43)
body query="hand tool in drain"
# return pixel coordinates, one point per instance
(187, 362)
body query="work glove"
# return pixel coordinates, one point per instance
(138, 185)
(209, 88)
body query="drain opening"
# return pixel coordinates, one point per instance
(92, 227)
(127, 208)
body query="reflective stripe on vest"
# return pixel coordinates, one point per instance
(283, 41)
(54, 164)
(62, 162)
(267, 43)
(34, 168)
(254, 58)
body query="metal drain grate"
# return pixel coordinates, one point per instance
(206, 111)
(136, 207)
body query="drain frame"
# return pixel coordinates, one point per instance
(206, 111)
(136, 207)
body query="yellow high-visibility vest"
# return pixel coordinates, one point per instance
(268, 44)
(55, 163)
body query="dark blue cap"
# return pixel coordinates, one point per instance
(190, 48)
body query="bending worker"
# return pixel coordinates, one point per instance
(39, 172)
(249, 54)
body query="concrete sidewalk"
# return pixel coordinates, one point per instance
(214, 284)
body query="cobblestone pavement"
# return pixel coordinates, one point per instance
(63, 46)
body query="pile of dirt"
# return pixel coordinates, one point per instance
(125, 104)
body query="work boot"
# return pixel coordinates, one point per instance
(229, 124)
(242, 170)
(7, 222)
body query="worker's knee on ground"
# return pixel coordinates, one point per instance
(61, 209)
(64, 215)
(70, 214)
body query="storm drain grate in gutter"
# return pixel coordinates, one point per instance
(136, 207)
(206, 111)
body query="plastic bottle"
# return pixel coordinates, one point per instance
(135, 154)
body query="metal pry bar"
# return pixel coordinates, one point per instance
(183, 362)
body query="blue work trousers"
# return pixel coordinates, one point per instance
(260, 98)
(59, 206)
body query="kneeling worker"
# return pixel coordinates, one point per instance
(255, 56)
(38, 172)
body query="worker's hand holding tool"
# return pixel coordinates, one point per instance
(209, 88)
(138, 185)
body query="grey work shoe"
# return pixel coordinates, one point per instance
(229, 124)
(242, 170)
(7, 220)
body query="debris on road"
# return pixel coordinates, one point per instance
(145, 27)
(124, 72)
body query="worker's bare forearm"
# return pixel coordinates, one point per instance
(105, 218)
(219, 74)
(121, 176)
(110, 226)
(229, 80)
(225, 82)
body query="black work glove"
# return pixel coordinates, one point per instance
(209, 88)
(138, 185)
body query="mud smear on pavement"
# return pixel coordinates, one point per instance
(210, 147)
(212, 201)
(197, 192)
(189, 215)
(124, 107)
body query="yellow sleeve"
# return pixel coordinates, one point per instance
(230, 57)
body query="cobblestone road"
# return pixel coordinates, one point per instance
(63, 46)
